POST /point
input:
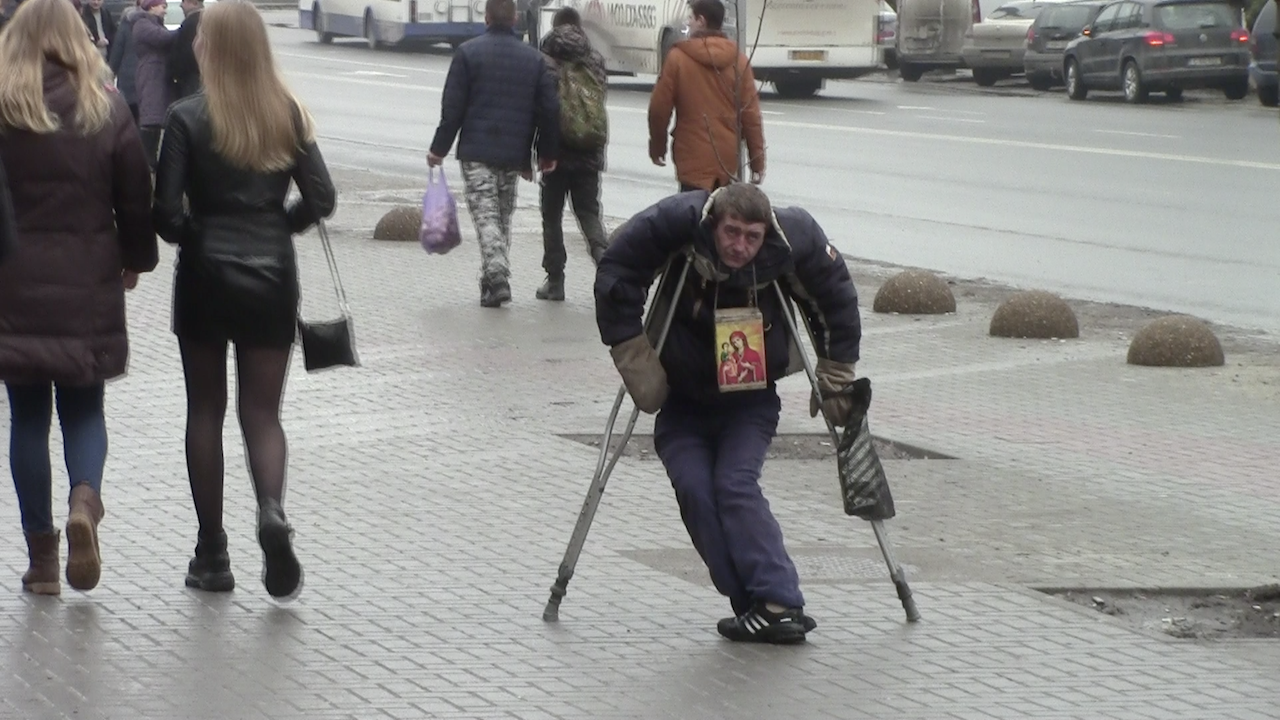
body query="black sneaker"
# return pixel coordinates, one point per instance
(492, 296)
(210, 569)
(281, 574)
(761, 626)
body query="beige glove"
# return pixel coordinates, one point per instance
(641, 372)
(832, 378)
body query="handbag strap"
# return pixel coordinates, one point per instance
(338, 290)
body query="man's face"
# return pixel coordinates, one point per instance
(738, 242)
(95, 4)
(188, 7)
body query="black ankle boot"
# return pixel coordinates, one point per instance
(281, 574)
(210, 569)
(553, 288)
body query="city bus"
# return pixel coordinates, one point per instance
(393, 22)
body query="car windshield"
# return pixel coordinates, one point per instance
(1195, 16)
(1016, 11)
(1069, 17)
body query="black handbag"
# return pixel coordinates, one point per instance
(329, 344)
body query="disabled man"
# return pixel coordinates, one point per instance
(713, 429)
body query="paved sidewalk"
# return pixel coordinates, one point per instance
(432, 496)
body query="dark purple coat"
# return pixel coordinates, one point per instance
(151, 42)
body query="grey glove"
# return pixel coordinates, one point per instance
(641, 372)
(833, 377)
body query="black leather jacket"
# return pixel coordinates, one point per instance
(229, 206)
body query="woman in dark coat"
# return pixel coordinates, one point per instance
(122, 58)
(151, 44)
(232, 151)
(80, 190)
(8, 227)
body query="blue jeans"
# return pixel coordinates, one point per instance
(714, 456)
(84, 436)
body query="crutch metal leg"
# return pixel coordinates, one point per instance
(896, 573)
(603, 469)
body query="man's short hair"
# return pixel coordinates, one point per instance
(566, 16)
(501, 12)
(710, 10)
(743, 201)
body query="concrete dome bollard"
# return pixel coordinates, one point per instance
(400, 224)
(915, 292)
(1035, 314)
(1176, 341)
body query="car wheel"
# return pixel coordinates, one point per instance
(1040, 81)
(910, 72)
(1134, 89)
(1173, 94)
(370, 32)
(798, 89)
(985, 77)
(1269, 96)
(1075, 84)
(323, 36)
(1237, 91)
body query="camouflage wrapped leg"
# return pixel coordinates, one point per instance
(490, 194)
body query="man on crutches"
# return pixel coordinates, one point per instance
(714, 386)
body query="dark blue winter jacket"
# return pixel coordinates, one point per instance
(677, 229)
(500, 94)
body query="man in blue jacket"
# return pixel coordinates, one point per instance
(714, 385)
(502, 98)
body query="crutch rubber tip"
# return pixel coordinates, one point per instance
(551, 613)
(908, 602)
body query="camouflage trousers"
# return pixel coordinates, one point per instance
(491, 200)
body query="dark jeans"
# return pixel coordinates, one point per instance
(151, 143)
(714, 456)
(84, 439)
(583, 188)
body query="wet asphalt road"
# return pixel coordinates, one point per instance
(1171, 205)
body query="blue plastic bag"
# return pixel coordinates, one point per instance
(439, 231)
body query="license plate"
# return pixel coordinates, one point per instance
(808, 55)
(1204, 61)
(1056, 45)
(996, 53)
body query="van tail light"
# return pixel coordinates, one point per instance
(1240, 35)
(1160, 39)
(977, 11)
(1031, 35)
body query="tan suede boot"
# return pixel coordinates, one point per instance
(41, 577)
(84, 563)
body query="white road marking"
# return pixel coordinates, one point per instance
(915, 107)
(949, 119)
(850, 111)
(325, 57)
(377, 73)
(1139, 134)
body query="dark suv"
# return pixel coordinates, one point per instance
(1263, 48)
(1144, 46)
(1047, 40)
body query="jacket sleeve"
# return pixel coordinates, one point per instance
(752, 124)
(182, 58)
(131, 181)
(148, 33)
(636, 254)
(453, 105)
(662, 103)
(172, 220)
(319, 197)
(547, 100)
(8, 220)
(826, 294)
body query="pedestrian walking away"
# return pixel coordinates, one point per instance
(582, 85)
(122, 58)
(151, 45)
(232, 151)
(714, 385)
(707, 82)
(184, 71)
(499, 102)
(81, 200)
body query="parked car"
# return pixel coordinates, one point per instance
(1263, 50)
(886, 34)
(1047, 40)
(994, 48)
(1144, 46)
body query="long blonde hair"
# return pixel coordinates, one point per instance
(50, 30)
(250, 109)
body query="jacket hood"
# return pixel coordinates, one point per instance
(59, 94)
(567, 43)
(711, 49)
(773, 260)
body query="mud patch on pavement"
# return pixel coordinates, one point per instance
(1222, 614)
(785, 447)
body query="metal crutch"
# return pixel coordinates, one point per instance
(896, 572)
(601, 477)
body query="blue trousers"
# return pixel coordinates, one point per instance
(84, 437)
(714, 456)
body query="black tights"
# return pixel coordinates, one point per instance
(260, 373)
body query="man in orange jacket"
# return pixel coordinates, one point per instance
(708, 83)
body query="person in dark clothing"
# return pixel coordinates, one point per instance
(184, 71)
(7, 9)
(151, 42)
(577, 173)
(232, 152)
(122, 58)
(102, 27)
(500, 97)
(8, 228)
(713, 429)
